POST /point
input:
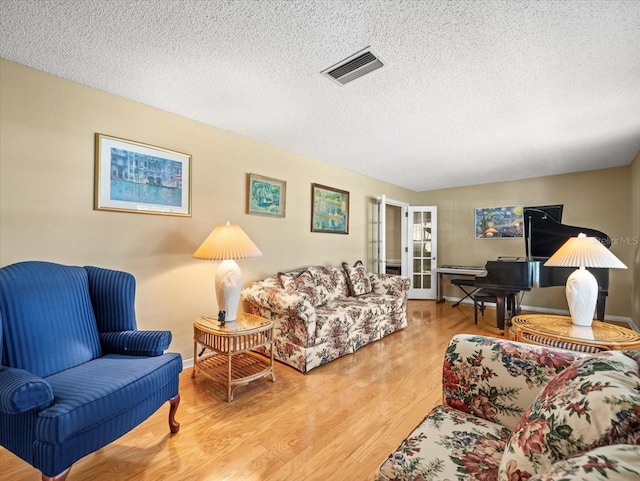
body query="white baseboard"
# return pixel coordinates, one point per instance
(559, 312)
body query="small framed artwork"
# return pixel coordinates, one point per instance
(499, 222)
(329, 210)
(266, 196)
(135, 177)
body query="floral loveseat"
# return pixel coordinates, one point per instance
(322, 313)
(515, 411)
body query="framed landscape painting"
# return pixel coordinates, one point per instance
(499, 222)
(329, 210)
(135, 177)
(266, 196)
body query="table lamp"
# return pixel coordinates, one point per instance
(227, 243)
(582, 287)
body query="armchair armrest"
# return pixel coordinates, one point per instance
(389, 284)
(135, 343)
(497, 379)
(21, 391)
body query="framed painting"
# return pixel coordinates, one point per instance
(499, 222)
(329, 210)
(266, 196)
(135, 177)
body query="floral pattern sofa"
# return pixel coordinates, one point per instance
(515, 411)
(322, 313)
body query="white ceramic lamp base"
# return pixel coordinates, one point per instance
(582, 294)
(228, 286)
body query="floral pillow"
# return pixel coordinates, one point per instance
(302, 283)
(358, 278)
(619, 461)
(594, 399)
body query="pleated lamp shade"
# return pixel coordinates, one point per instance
(583, 251)
(582, 286)
(226, 243)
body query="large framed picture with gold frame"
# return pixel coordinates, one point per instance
(329, 210)
(135, 177)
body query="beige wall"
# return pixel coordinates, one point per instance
(634, 262)
(47, 128)
(597, 199)
(393, 237)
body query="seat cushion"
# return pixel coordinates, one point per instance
(592, 400)
(92, 393)
(619, 462)
(448, 444)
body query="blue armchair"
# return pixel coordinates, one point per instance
(75, 373)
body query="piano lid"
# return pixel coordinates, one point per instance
(544, 233)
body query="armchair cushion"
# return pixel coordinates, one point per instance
(98, 391)
(617, 462)
(21, 391)
(135, 343)
(457, 446)
(587, 401)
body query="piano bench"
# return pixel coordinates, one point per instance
(479, 298)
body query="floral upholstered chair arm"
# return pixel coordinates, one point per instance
(389, 284)
(498, 379)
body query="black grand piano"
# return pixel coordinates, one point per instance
(544, 234)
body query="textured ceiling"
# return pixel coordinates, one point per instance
(472, 91)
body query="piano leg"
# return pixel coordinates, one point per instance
(500, 311)
(602, 298)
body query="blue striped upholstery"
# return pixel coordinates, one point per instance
(110, 384)
(47, 317)
(113, 295)
(62, 395)
(22, 391)
(136, 343)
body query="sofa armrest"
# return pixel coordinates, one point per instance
(21, 391)
(135, 343)
(497, 379)
(281, 301)
(389, 284)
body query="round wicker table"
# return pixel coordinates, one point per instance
(559, 331)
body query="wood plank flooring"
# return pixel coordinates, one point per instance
(337, 423)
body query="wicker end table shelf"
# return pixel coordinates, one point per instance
(559, 331)
(232, 361)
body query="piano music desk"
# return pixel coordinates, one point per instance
(559, 331)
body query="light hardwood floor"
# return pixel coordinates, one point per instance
(336, 423)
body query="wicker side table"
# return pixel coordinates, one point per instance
(559, 331)
(232, 361)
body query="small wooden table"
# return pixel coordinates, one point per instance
(559, 331)
(232, 361)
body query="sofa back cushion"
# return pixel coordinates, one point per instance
(47, 318)
(357, 278)
(300, 282)
(331, 283)
(594, 399)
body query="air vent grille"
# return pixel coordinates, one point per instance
(354, 67)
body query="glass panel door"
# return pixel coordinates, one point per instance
(422, 251)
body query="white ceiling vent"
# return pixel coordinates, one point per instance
(354, 67)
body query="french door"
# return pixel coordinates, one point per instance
(422, 252)
(418, 245)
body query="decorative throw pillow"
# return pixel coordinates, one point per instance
(589, 401)
(357, 278)
(619, 461)
(302, 283)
